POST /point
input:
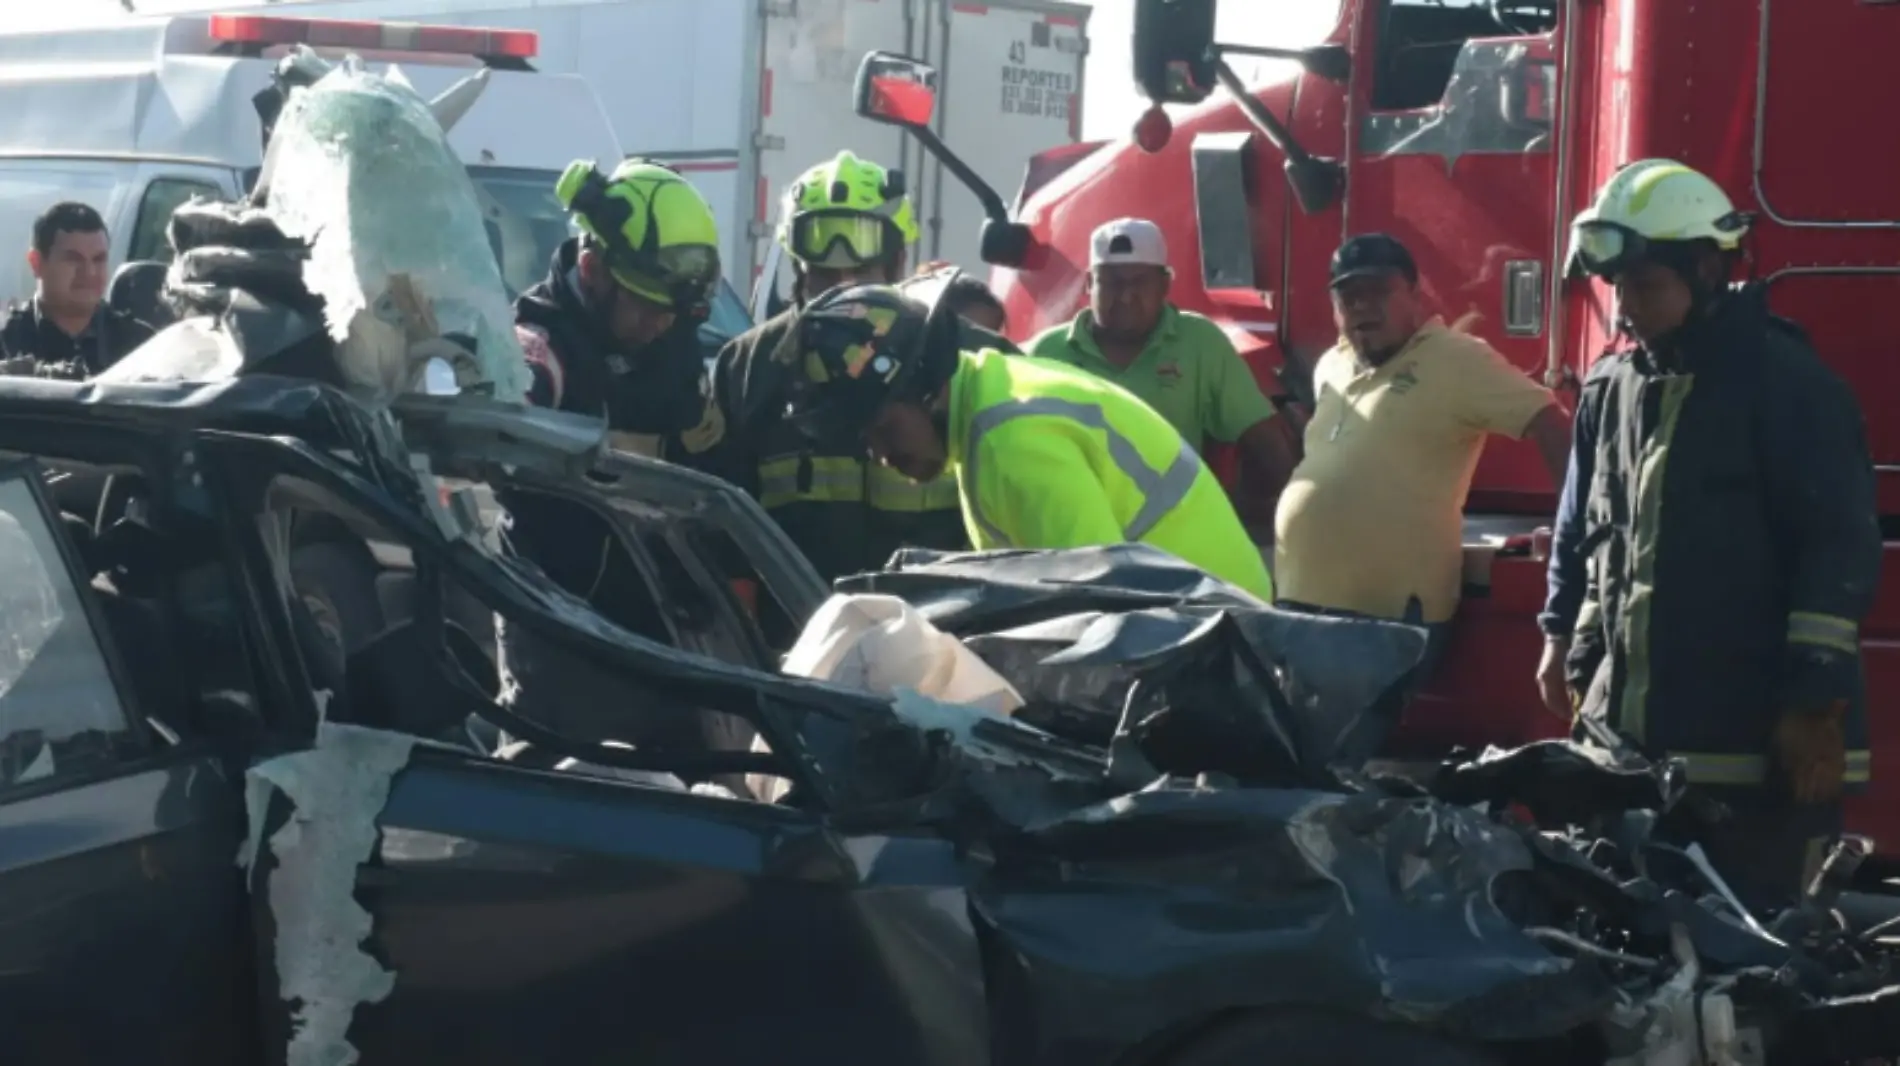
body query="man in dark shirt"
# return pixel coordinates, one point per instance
(66, 330)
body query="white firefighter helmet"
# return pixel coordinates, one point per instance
(1652, 201)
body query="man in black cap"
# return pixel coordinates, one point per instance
(1371, 522)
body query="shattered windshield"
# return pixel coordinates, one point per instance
(523, 220)
(359, 169)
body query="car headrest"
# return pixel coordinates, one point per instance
(137, 290)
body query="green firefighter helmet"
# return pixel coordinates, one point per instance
(1647, 209)
(846, 213)
(657, 232)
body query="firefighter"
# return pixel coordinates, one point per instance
(846, 221)
(610, 333)
(1044, 455)
(1733, 535)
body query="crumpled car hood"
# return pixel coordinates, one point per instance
(1107, 915)
(1178, 901)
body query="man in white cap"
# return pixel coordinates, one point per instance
(1180, 363)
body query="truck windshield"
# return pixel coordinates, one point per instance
(1273, 26)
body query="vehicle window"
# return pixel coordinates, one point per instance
(162, 197)
(729, 315)
(774, 625)
(1462, 77)
(1420, 40)
(524, 219)
(60, 709)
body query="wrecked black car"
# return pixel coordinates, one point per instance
(221, 845)
(241, 825)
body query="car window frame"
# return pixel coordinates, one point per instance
(139, 738)
(267, 458)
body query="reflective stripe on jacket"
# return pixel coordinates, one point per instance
(1049, 456)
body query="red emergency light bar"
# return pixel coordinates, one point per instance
(375, 36)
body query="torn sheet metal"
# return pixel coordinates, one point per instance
(336, 790)
(361, 171)
(1178, 901)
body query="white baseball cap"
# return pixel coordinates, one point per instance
(1128, 240)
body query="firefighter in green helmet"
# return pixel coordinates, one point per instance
(846, 221)
(611, 332)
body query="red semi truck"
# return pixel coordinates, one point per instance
(1474, 131)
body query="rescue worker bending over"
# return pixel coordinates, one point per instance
(1043, 455)
(1733, 535)
(66, 330)
(844, 222)
(610, 333)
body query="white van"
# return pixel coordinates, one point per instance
(136, 118)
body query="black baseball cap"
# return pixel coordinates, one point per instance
(1371, 254)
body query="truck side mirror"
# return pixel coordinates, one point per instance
(1006, 243)
(1174, 50)
(897, 91)
(900, 91)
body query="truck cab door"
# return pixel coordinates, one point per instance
(1453, 149)
(123, 935)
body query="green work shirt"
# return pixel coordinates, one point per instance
(1189, 372)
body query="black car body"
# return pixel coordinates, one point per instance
(219, 845)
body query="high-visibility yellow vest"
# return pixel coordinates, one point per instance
(1050, 456)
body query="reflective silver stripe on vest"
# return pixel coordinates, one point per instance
(1160, 491)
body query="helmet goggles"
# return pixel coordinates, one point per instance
(840, 239)
(680, 277)
(1606, 249)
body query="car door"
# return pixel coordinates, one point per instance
(515, 914)
(542, 916)
(122, 935)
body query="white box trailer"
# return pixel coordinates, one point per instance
(743, 95)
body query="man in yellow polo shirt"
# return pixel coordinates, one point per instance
(1372, 521)
(1180, 363)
